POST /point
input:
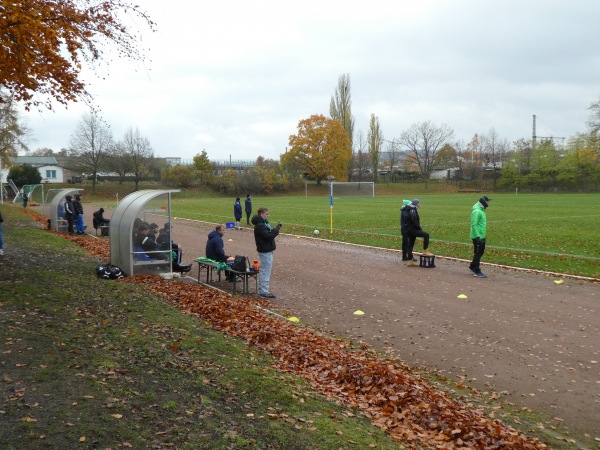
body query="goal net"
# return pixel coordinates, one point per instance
(352, 189)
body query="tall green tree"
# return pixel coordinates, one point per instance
(580, 165)
(24, 174)
(321, 149)
(180, 176)
(545, 162)
(375, 141)
(203, 165)
(594, 120)
(594, 129)
(446, 158)
(340, 108)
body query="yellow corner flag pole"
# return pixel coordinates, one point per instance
(331, 214)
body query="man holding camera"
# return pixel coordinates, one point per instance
(264, 236)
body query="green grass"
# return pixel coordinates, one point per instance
(550, 232)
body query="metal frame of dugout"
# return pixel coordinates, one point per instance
(150, 205)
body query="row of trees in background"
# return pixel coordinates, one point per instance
(94, 150)
(426, 147)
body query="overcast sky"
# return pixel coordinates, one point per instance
(236, 77)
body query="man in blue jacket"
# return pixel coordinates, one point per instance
(237, 212)
(215, 247)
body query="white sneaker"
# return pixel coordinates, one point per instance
(1, 252)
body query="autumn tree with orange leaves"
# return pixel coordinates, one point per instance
(321, 149)
(44, 44)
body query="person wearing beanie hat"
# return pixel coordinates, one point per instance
(413, 231)
(404, 228)
(478, 234)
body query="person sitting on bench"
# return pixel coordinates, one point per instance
(148, 244)
(215, 247)
(98, 219)
(164, 240)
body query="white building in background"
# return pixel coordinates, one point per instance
(444, 174)
(48, 167)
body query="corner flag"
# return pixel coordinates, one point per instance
(331, 214)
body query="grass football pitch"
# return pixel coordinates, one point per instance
(550, 232)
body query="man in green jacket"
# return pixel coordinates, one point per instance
(478, 234)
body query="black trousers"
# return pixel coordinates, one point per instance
(248, 217)
(70, 223)
(404, 247)
(478, 251)
(412, 237)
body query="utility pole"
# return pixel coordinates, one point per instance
(534, 137)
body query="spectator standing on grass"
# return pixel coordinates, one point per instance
(25, 198)
(404, 227)
(237, 212)
(264, 236)
(248, 208)
(215, 247)
(69, 213)
(1, 236)
(414, 231)
(78, 210)
(478, 234)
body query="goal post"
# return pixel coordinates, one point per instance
(352, 189)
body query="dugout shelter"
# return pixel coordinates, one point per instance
(151, 206)
(55, 210)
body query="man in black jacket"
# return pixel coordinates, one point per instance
(404, 222)
(248, 208)
(414, 230)
(78, 211)
(264, 236)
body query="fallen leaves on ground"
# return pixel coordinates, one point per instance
(396, 400)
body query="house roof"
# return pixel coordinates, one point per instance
(36, 161)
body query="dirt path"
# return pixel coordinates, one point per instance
(518, 334)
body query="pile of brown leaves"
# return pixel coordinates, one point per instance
(397, 400)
